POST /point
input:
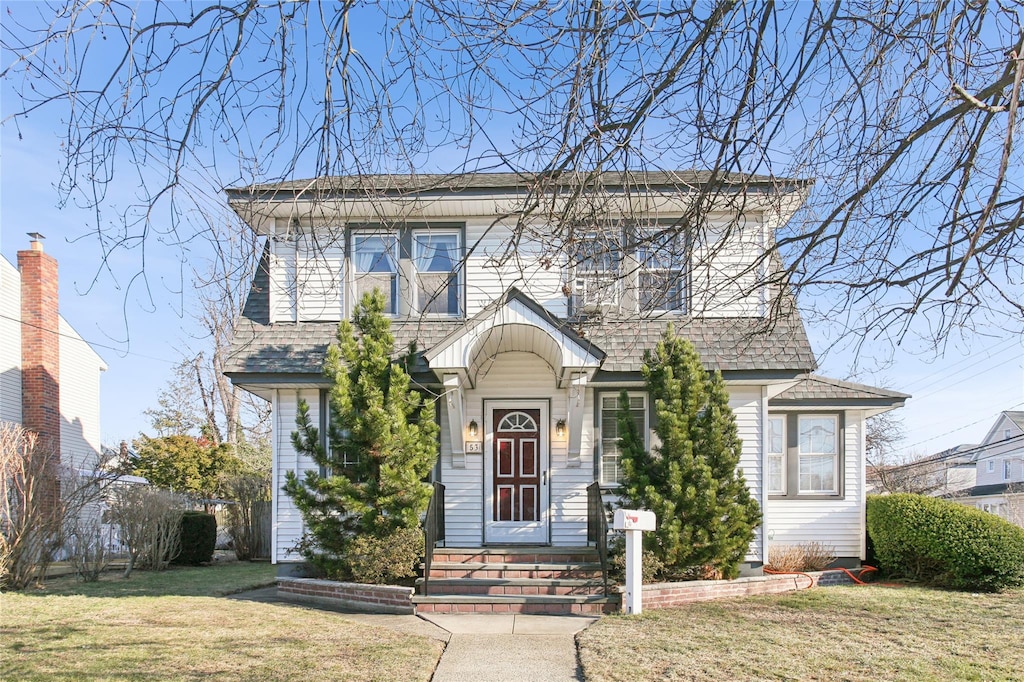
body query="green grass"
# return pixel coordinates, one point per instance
(177, 625)
(836, 633)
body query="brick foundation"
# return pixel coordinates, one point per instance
(667, 595)
(356, 596)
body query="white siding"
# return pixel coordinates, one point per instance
(515, 376)
(80, 369)
(287, 521)
(493, 267)
(282, 279)
(833, 521)
(10, 342)
(320, 258)
(723, 274)
(745, 402)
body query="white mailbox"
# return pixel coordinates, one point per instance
(633, 519)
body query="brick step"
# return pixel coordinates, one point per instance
(531, 555)
(505, 571)
(549, 604)
(512, 586)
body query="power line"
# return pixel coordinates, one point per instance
(91, 343)
(959, 428)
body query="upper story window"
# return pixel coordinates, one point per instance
(598, 273)
(610, 468)
(1007, 471)
(437, 257)
(630, 269)
(990, 466)
(660, 257)
(375, 266)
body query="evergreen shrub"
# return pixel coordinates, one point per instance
(945, 543)
(198, 539)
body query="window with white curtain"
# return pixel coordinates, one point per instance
(375, 266)
(437, 257)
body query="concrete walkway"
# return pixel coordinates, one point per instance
(481, 648)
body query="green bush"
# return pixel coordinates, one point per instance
(198, 538)
(945, 543)
(382, 560)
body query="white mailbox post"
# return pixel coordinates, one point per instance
(634, 522)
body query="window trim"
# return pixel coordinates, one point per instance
(990, 466)
(793, 457)
(350, 259)
(598, 445)
(1007, 468)
(405, 306)
(625, 240)
(783, 455)
(458, 275)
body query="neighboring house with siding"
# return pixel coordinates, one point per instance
(527, 350)
(1000, 477)
(49, 375)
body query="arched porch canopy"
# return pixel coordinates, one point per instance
(514, 322)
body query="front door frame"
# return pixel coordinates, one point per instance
(503, 532)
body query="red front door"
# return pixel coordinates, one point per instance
(516, 465)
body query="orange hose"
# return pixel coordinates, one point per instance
(856, 578)
(809, 578)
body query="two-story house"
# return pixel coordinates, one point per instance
(528, 329)
(1000, 469)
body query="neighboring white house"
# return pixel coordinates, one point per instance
(1000, 481)
(527, 349)
(50, 381)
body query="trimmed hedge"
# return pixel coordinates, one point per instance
(198, 538)
(945, 543)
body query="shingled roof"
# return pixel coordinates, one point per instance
(728, 344)
(401, 184)
(815, 388)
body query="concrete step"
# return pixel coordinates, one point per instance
(494, 570)
(512, 586)
(548, 604)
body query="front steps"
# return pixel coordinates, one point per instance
(551, 580)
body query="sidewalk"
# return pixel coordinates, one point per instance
(482, 647)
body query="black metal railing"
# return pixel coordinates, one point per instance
(597, 528)
(433, 531)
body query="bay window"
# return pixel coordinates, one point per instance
(804, 455)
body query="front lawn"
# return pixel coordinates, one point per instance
(835, 633)
(176, 625)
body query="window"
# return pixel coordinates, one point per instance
(661, 284)
(597, 273)
(438, 261)
(375, 264)
(776, 475)
(990, 466)
(1006, 469)
(610, 470)
(804, 455)
(818, 455)
(1007, 434)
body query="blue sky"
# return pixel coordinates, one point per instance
(139, 335)
(140, 326)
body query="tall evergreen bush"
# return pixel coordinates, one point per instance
(691, 481)
(381, 445)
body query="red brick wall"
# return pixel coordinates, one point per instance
(374, 598)
(667, 595)
(40, 351)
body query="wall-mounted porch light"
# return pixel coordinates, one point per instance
(474, 428)
(560, 428)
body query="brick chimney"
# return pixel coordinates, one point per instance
(40, 344)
